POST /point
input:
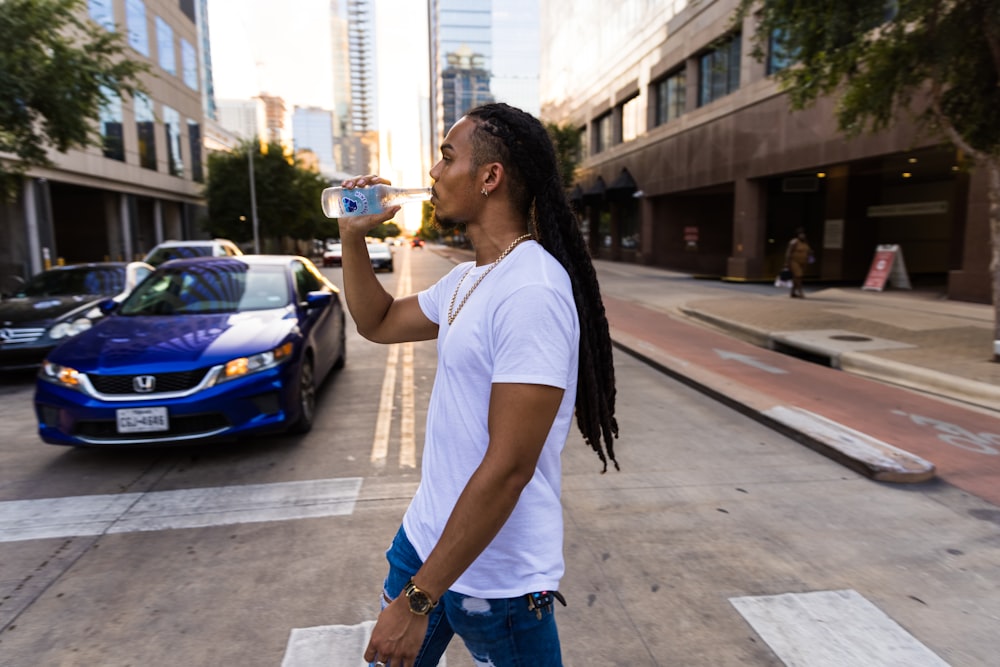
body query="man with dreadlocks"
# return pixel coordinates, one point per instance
(522, 340)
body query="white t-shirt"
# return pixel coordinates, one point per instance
(520, 325)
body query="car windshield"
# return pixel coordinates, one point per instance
(221, 285)
(104, 280)
(165, 253)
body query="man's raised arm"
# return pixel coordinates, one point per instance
(379, 316)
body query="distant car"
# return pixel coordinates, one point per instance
(381, 256)
(204, 349)
(57, 304)
(416, 242)
(179, 249)
(333, 254)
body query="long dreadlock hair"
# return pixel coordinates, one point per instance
(519, 142)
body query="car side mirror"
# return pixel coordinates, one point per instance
(318, 299)
(107, 306)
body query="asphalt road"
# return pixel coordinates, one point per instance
(269, 551)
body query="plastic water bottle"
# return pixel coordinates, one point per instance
(341, 202)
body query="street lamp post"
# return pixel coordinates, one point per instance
(253, 199)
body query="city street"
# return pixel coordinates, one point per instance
(721, 542)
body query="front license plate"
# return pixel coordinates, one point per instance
(142, 420)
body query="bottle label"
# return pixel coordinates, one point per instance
(354, 202)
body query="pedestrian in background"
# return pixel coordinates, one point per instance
(522, 342)
(797, 257)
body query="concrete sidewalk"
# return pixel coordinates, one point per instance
(911, 338)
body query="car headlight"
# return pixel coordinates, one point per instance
(67, 329)
(60, 375)
(242, 366)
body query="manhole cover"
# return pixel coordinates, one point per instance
(851, 338)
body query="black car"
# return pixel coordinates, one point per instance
(57, 304)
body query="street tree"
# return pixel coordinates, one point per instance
(566, 141)
(287, 196)
(939, 61)
(57, 69)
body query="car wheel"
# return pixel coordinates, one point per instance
(307, 398)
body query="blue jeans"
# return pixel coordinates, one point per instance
(502, 632)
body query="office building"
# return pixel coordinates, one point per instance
(312, 130)
(481, 51)
(693, 161)
(144, 183)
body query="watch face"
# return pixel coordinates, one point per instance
(419, 602)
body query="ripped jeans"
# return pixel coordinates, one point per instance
(498, 633)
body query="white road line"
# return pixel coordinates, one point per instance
(186, 508)
(383, 423)
(383, 419)
(407, 426)
(330, 646)
(832, 629)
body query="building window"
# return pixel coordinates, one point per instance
(194, 141)
(138, 32)
(778, 57)
(102, 13)
(671, 97)
(172, 128)
(720, 71)
(629, 223)
(165, 46)
(602, 133)
(145, 127)
(111, 126)
(189, 64)
(187, 7)
(631, 119)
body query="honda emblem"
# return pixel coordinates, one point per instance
(143, 384)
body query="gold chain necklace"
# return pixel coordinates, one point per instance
(452, 311)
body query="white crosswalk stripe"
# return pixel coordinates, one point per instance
(185, 508)
(832, 629)
(330, 646)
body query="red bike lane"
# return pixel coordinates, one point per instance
(962, 443)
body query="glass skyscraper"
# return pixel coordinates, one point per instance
(480, 52)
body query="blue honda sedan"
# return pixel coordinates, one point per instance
(204, 349)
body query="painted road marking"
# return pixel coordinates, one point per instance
(383, 423)
(330, 646)
(185, 508)
(750, 361)
(832, 629)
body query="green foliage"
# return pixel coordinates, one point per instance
(878, 59)
(385, 230)
(428, 230)
(54, 66)
(566, 141)
(287, 195)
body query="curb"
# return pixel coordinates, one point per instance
(865, 455)
(866, 365)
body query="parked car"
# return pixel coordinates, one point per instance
(57, 304)
(381, 256)
(333, 254)
(178, 249)
(204, 349)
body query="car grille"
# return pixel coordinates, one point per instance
(20, 336)
(106, 430)
(165, 382)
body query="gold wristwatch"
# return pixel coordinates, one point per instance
(420, 602)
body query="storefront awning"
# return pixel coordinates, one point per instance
(623, 186)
